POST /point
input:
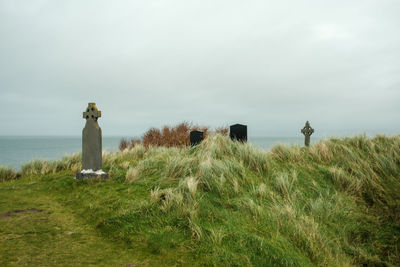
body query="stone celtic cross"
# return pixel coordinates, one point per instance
(92, 112)
(91, 145)
(307, 131)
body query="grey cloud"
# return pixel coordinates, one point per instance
(271, 65)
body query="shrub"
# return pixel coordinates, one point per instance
(123, 145)
(134, 142)
(170, 136)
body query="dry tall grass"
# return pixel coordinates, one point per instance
(7, 173)
(70, 163)
(299, 191)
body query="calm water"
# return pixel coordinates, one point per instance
(15, 151)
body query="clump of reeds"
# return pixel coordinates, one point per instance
(218, 164)
(43, 167)
(7, 173)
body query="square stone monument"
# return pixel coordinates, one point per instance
(238, 132)
(91, 145)
(196, 137)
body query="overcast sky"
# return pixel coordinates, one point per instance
(269, 64)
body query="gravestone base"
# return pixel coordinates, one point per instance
(87, 174)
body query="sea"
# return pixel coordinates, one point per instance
(15, 151)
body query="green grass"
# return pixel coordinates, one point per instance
(336, 203)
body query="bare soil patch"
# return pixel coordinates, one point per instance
(10, 213)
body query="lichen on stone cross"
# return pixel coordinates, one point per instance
(92, 112)
(307, 131)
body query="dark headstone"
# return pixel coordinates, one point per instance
(196, 137)
(91, 145)
(238, 132)
(307, 131)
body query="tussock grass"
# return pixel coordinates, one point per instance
(7, 173)
(336, 203)
(132, 174)
(43, 167)
(320, 199)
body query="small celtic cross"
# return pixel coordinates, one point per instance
(92, 112)
(307, 131)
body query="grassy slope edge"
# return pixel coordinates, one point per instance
(336, 203)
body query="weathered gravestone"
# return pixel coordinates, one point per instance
(91, 145)
(196, 137)
(238, 132)
(307, 131)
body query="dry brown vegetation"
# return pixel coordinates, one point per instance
(124, 144)
(170, 136)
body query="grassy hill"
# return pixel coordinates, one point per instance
(336, 203)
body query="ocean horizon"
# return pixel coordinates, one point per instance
(15, 151)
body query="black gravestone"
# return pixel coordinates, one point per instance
(196, 137)
(238, 132)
